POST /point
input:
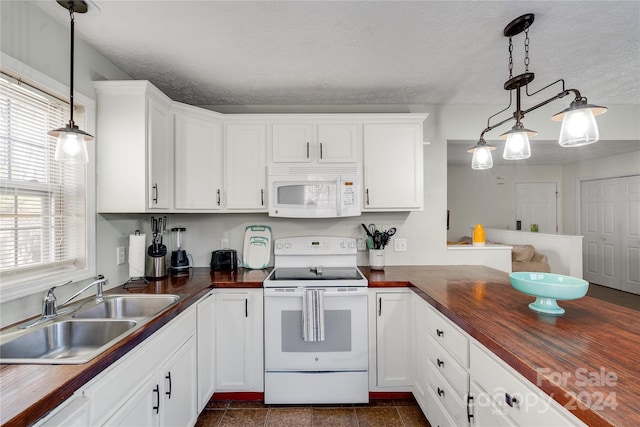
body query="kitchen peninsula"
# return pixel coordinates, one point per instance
(590, 353)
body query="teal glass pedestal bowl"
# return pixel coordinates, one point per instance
(548, 288)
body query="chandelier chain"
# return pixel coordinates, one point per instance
(526, 49)
(510, 57)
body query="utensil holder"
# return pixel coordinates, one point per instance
(376, 259)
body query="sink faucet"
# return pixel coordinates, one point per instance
(50, 305)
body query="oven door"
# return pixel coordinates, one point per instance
(345, 344)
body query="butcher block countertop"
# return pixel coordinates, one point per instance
(595, 344)
(592, 336)
(29, 392)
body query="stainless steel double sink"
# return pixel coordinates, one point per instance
(80, 335)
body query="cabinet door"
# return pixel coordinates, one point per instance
(239, 356)
(292, 143)
(72, 413)
(394, 343)
(179, 394)
(393, 178)
(484, 412)
(198, 163)
(142, 408)
(206, 346)
(339, 143)
(246, 167)
(160, 149)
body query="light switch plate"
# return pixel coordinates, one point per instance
(120, 255)
(400, 245)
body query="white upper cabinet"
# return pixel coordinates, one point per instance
(321, 143)
(198, 161)
(246, 167)
(393, 174)
(134, 147)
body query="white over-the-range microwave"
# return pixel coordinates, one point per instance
(314, 191)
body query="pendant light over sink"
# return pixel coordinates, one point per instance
(71, 146)
(578, 121)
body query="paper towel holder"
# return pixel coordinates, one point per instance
(136, 282)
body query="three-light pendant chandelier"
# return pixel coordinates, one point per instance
(578, 123)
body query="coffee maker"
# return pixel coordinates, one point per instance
(180, 259)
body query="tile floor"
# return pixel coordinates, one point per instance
(380, 413)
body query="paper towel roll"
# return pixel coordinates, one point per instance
(137, 254)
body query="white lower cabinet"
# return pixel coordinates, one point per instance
(239, 340)
(509, 396)
(441, 383)
(154, 385)
(393, 339)
(206, 347)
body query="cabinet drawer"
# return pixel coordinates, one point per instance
(448, 335)
(450, 369)
(443, 392)
(515, 395)
(436, 413)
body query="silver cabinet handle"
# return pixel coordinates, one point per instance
(155, 193)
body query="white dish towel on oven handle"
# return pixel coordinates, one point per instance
(313, 315)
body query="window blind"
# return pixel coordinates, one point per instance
(42, 202)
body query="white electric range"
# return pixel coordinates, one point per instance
(316, 335)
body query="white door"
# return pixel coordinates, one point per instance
(630, 234)
(178, 393)
(292, 143)
(394, 339)
(600, 230)
(339, 143)
(536, 203)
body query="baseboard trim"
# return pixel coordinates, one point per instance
(254, 396)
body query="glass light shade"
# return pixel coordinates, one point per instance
(517, 146)
(482, 158)
(71, 146)
(579, 128)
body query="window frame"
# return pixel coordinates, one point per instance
(29, 283)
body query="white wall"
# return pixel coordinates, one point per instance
(479, 197)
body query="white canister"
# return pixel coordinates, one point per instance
(376, 259)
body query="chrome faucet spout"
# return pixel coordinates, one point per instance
(99, 282)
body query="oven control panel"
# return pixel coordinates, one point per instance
(319, 245)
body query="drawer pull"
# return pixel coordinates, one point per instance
(469, 407)
(510, 400)
(157, 392)
(168, 377)
(439, 332)
(440, 392)
(440, 363)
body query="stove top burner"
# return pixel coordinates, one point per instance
(316, 273)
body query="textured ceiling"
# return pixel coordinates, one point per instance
(363, 52)
(373, 53)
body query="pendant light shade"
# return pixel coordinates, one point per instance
(517, 146)
(482, 158)
(579, 125)
(71, 146)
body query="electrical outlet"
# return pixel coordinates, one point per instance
(361, 244)
(224, 243)
(120, 255)
(400, 245)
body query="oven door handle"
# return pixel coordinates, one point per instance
(328, 292)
